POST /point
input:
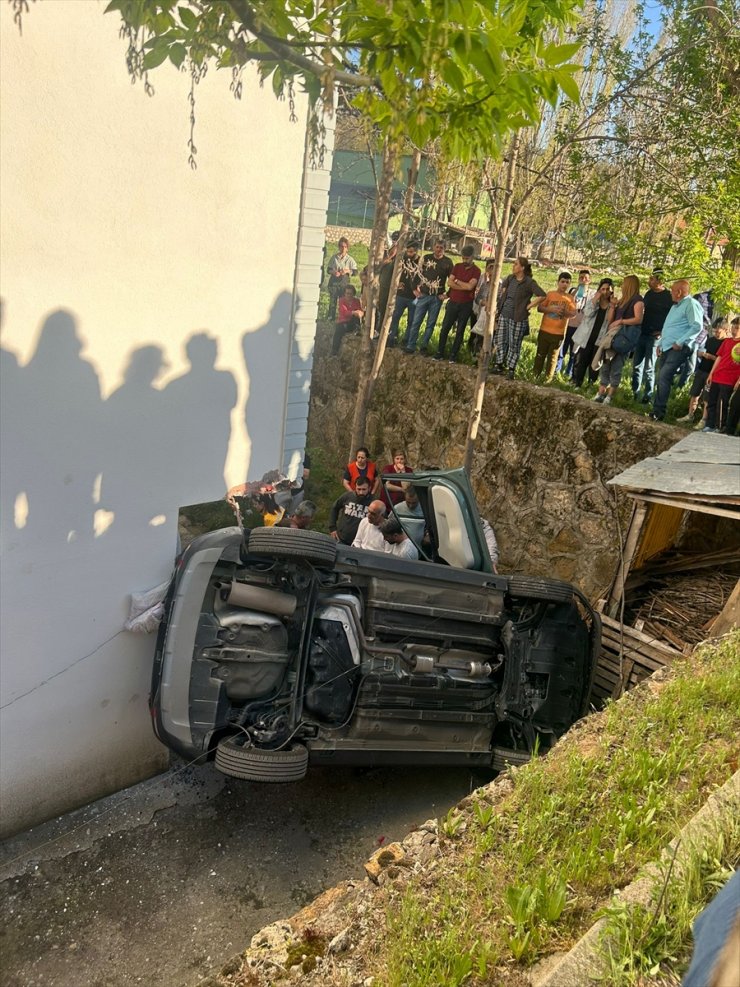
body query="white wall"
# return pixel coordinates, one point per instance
(114, 254)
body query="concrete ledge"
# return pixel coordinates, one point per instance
(585, 963)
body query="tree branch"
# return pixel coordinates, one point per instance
(246, 16)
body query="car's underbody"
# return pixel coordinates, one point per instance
(363, 659)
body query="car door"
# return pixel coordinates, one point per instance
(453, 519)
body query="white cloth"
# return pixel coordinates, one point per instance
(490, 541)
(403, 550)
(582, 333)
(369, 537)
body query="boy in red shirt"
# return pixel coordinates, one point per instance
(349, 313)
(723, 378)
(557, 308)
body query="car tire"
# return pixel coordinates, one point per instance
(252, 764)
(293, 543)
(545, 590)
(504, 757)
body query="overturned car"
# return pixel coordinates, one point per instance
(280, 647)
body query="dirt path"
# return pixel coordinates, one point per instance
(175, 879)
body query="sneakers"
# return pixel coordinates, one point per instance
(707, 429)
(607, 399)
(685, 418)
(599, 398)
(700, 425)
(654, 418)
(497, 368)
(509, 375)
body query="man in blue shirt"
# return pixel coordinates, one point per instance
(683, 324)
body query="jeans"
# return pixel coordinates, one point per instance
(429, 306)
(402, 305)
(688, 366)
(565, 349)
(456, 313)
(643, 365)
(668, 367)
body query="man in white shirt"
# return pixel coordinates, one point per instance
(369, 535)
(397, 542)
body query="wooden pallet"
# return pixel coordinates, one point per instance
(628, 655)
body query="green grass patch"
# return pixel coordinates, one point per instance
(529, 877)
(656, 941)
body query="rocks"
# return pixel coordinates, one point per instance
(383, 858)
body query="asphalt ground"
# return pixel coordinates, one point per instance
(162, 883)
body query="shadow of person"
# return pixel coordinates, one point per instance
(56, 435)
(200, 404)
(266, 354)
(139, 443)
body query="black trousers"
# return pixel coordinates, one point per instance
(456, 313)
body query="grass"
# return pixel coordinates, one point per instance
(656, 942)
(529, 877)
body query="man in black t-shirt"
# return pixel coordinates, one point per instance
(658, 303)
(435, 269)
(348, 510)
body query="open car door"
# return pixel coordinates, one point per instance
(455, 534)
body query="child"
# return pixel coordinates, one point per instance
(349, 313)
(723, 377)
(557, 308)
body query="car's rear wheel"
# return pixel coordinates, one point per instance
(544, 590)
(503, 757)
(238, 761)
(293, 543)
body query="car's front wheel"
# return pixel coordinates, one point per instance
(238, 761)
(293, 543)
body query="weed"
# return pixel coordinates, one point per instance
(451, 822)
(656, 941)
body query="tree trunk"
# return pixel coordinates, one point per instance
(502, 235)
(369, 364)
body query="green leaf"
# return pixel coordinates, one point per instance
(188, 17)
(154, 57)
(177, 54)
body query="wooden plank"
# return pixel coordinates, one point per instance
(710, 447)
(651, 653)
(639, 635)
(664, 476)
(653, 657)
(729, 617)
(658, 532)
(616, 590)
(692, 505)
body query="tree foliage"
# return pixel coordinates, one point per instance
(464, 72)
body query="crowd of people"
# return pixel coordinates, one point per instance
(587, 335)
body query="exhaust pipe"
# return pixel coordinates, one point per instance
(258, 598)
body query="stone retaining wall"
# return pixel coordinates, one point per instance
(354, 234)
(542, 460)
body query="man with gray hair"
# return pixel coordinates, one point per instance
(369, 535)
(683, 324)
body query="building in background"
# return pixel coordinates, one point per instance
(157, 345)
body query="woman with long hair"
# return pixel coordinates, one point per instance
(512, 314)
(628, 312)
(597, 315)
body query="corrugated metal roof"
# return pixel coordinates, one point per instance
(705, 466)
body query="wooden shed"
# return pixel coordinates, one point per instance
(696, 482)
